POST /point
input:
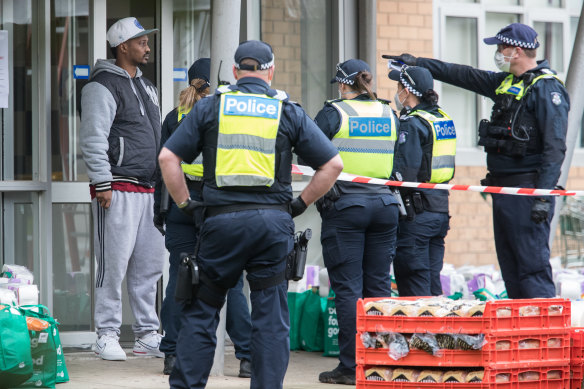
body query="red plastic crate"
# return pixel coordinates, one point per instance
(489, 322)
(577, 350)
(489, 380)
(576, 376)
(553, 350)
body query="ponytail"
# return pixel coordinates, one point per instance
(193, 93)
(430, 97)
(363, 81)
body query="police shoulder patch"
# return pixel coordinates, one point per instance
(556, 98)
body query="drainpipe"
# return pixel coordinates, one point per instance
(225, 20)
(573, 84)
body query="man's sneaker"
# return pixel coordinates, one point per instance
(244, 369)
(148, 345)
(337, 376)
(108, 347)
(169, 362)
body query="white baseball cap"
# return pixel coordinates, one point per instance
(126, 29)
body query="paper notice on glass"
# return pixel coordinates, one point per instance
(4, 81)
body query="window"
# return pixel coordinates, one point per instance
(300, 35)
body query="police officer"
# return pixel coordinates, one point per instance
(525, 141)
(246, 133)
(424, 153)
(181, 236)
(359, 221)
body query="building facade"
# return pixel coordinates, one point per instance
(51, 45)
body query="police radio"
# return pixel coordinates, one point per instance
(296, 260)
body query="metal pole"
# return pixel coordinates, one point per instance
(225, 20)
(575, 75)
(368, 34)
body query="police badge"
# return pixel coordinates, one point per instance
(556, 98)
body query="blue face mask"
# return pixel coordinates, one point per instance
(399, 104)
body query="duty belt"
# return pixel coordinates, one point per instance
(218, 210)
(194, 185)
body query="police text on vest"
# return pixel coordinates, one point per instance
(444, 129)
(370, 126)
(241, 105)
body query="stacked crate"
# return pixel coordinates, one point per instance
(541, 322)
(576, 358)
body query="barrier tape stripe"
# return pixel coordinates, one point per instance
(308, 171)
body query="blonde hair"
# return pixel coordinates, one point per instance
(193, 93)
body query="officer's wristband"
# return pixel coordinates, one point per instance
(184, 203)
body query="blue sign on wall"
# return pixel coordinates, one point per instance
(180, 74)
(81, 72)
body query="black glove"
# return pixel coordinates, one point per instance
(404, 58)
(297, 206)
(159, 222)
(540, 210)
(191, 207)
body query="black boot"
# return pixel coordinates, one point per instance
(169, 361)
(337, 376)
(244, 369)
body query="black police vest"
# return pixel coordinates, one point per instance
(513, 130)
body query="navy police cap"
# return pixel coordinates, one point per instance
(515, 34)
(416, 79)
(346, 71)
(201, 68)
(256, 50)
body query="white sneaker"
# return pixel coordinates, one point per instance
(148, 345)
(108, 347)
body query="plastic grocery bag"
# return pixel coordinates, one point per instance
(295, 307)
(331, 327)
(47, 352)
(311, 323)
(15, 356)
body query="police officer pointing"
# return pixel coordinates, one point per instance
(246, 133)
(425, 152)
(525, 141)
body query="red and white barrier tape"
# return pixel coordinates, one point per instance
(307, 171)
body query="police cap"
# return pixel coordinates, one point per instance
(201, 68)
(416, 79)
(515, 34)
(256, 50)
(346, 71)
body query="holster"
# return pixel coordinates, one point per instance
(327, 201)
(188, 279)
(413, 204)
(296, 259)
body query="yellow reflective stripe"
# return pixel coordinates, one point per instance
(370, 156)
(246, 145)
(443, 150)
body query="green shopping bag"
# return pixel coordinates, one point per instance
(311, 323)
(15, 357)
(295, 307)
(45, 346)
(331, 327)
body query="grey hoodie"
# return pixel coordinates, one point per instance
(120, 127)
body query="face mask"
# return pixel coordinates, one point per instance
(399, 104)
(501, 61)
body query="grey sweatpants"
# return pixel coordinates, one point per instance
(126, 244)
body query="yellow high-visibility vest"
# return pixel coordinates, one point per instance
(444, 146)
(366, 138)
(519, 89)
(193, 170)
(246, 143)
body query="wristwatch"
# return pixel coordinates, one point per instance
(184, 203)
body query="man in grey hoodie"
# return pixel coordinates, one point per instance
(120, 137)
